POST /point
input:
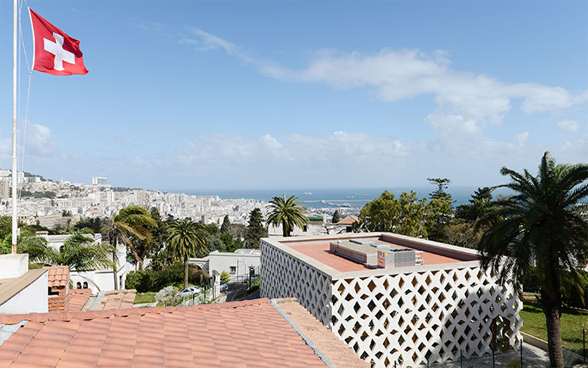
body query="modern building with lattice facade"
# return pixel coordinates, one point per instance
(394, 299)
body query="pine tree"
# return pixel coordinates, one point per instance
(336, 217)
(255, 229)
(226, 226)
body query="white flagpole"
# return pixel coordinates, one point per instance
(14, 169)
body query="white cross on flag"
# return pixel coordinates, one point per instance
(55, 52)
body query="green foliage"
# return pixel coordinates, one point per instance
(151, 280)
(224, 277)
(255, 229)
(440, 209)
(185, 239)
(405, 215)
(133, 227)
(479, 205)
(226, 225)
(288, 213)
(336, 217)
(139, 280)
(95, 224)
(42, 194)
(544, 221)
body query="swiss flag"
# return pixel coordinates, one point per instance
(55, 52)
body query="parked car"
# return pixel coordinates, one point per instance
(190, 290)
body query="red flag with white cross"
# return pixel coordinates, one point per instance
(55, 52)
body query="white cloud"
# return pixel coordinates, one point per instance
(39, 140)
(568, 126)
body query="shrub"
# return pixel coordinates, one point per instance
(224, 277)
(139, 280)
(168, 296)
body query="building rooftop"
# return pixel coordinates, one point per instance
(11, 287)
(255, 333)
(316, 250)
(58, 276)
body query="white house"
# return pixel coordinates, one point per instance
(97, 280)
(236, 264)
(21, 290)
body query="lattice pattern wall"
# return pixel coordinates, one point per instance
(404, 318)
(285, 276)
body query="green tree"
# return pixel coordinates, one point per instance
(288, 213)
(336, 217)
(226, 226)
(440, 209)
(255, 229)
(544, 221)
(185, 240)
(404, 215)
(132, 222)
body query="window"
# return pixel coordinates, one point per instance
(232, 269)
(85, 284)
(79, 285)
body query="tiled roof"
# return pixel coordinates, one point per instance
(349, 220)
(77, 299)
(58, 276)
(238, 334)
(118, 299)
(327, 343)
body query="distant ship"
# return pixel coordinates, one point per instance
(307, 193)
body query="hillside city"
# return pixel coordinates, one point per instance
(51, 203)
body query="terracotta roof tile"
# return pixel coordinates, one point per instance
(242, 334)
(58, 276)
(77, 299)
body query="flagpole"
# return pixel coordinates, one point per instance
(14, 169)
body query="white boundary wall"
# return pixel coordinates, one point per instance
(399, 315)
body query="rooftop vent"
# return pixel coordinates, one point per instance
(373, 253)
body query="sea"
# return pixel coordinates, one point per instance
(334, 198)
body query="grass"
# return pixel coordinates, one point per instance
(148, 297)
(572, 323)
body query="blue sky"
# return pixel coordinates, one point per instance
(193, 95)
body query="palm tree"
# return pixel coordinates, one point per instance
(79, 252)
(131, 222)
(288, 213)
(545, 221)
(185, 240)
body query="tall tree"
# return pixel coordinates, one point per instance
(336, 217)
(440, 209)
(226, 226)
(185, 239)
(255, 229)
(404, 215)
(288, 213)
(131, 222)
(545, 222)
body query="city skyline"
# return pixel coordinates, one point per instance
(262, 95)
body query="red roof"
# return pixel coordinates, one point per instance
(78, 298)
(252, 333)
(58, 276)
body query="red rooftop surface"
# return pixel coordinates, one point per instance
(58, 276)
(320, 252)
(234, 335)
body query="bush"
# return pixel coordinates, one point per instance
(140, 281)
(224, 277)
(151, 280)
(168, 296)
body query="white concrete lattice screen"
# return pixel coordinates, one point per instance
(408, 317)
(284, 276)
(402, 317)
